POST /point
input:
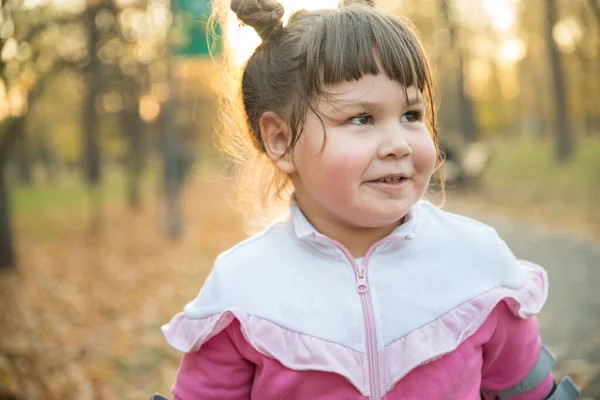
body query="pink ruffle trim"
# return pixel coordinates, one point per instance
(446, 333)
(294, 350)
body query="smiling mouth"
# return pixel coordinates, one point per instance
(394, 179)
(390, 179)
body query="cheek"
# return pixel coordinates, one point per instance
(346, 160)
(338, 172)
(341, 167)
(424, 155)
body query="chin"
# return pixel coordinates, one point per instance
(378, 220)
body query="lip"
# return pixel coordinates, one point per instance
(390, 176)
(391, 185)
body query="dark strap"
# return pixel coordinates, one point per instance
(157, 396)
(538, 373)
(565, 390)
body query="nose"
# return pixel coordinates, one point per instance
(394, 143)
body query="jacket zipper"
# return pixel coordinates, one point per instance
(362, 286)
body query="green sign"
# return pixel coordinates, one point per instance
(191, 21)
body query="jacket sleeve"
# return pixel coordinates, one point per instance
(217, 371)
(510, 357)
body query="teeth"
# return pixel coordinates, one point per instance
(391, 180)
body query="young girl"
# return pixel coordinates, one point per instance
(365, 291)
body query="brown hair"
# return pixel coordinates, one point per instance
(287, 72)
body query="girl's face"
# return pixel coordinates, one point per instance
(375, 160)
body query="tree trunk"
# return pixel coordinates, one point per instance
(172, 152)
(133, 126)
(595, 6)
(562, 130)
(585, 123)
(7, 254)
(91, 151)
(468, 126)
(22, 154)
(49, 158)
(591, 66)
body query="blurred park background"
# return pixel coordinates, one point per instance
(114, 199)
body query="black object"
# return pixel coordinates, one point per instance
(157, 396)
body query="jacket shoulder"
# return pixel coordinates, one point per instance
(239, 272)
(461, 237)
(462, 224)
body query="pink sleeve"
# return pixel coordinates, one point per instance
(511, 353)
(217, 371)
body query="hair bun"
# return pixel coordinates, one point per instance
(348, 3)
(263, 15)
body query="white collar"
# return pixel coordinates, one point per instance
(304, 230)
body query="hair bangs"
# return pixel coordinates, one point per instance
(347, 49)
(344, 46)
(400, 53)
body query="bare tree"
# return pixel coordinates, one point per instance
(22, 156)
(10, 129)
(595, 6)
(133, 128)
(172, 164)
(465, 105)
(7, 138)
(91, 150)
(562, 129)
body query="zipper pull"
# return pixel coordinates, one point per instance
(362, 286)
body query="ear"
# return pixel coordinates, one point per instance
(276, 137)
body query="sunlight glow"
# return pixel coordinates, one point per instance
(149, 108)
(4, 104)
(511, 52)
(477, 77)
(13, 102)
(243, 39)
(501, 13)
(70, 6)
(33, 3)
(567, 34)
(17, 98)
(9, 51)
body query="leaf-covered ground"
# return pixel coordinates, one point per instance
(82, 318)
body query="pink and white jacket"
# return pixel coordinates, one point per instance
(439, 309)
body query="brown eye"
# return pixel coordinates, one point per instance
(411, 116)
(362, 119)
